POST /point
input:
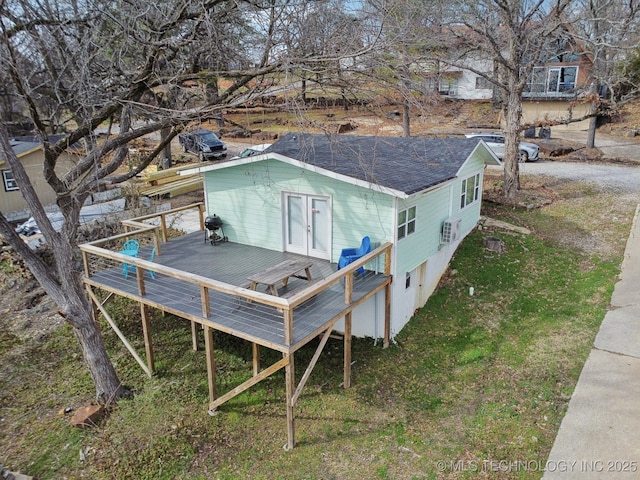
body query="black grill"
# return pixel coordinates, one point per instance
(214, 231)
(213, 223)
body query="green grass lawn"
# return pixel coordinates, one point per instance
(474, 386)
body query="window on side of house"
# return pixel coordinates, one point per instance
(406, 222)
(9, 182)
(566, 79)
(448, 86)
(470, 191)
(483, 84)
(536, 82)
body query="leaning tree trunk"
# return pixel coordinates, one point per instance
(79, 314)
(513, 118)
(63, 283)
(77, 310)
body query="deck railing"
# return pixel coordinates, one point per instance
(100, 258)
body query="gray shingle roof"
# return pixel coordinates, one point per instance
(407, 165)
(26, 143)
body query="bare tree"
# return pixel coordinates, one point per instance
(322, 42)
(606, 31)
(98, 63)
(512, 35)
(403, 61)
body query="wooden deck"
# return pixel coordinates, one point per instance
(206, 284)
(232, 264)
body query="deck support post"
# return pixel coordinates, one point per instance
(289, 375)
(146, 333)
(348, 289)
(255, 348)
(194, 336)
(211, 363)
(163, 227)
(387, 316)
(206, 311)
(347, 350)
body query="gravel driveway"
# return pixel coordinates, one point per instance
(619, 177)
(622, 178)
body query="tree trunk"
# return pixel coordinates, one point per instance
(77, 310)
(108, 386)
(406, 121)
(513, 118)
(166, 153)
(593, 121)
(303, 89)
(63, 281)
(591, 132)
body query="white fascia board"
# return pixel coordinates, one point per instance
(228, 164)
(485, 153)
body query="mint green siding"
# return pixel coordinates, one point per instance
(471, 213)
(248, 198)
(432, 208)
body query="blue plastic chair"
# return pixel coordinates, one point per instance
(350, 255)
(131, 248)
(131, 245)
(132, 268)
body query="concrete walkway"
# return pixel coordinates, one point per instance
(600, 434)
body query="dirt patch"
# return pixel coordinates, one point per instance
(533, 194)
(572, 214)
(25, 309)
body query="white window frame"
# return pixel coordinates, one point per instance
(9, 181)
(469, 192)
(560, 86)
(408, 225)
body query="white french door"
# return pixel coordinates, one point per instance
(307, 224)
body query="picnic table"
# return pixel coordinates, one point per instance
(280, 273)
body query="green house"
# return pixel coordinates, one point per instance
(317, 194)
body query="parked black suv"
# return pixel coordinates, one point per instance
(203, 143)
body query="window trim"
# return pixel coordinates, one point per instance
(538, 81)
(465, 190)
(409, 222)
(9, 181)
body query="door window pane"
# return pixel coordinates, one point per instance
(295, 228)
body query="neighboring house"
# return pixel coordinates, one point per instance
(557, 80)
(463, 83)
(317, 194)
(30, 152)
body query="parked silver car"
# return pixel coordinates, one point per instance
(528, 152)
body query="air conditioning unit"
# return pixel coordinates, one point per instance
(450, 231)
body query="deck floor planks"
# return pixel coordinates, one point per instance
(232, 263)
